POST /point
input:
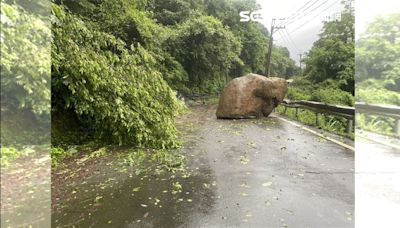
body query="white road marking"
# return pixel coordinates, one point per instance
(385, 143)
(318, 134)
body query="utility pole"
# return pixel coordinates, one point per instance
(300, 61)
(271, 41)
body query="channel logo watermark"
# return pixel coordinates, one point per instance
(246, 16)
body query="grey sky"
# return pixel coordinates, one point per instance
(368, 10)
(304, 24)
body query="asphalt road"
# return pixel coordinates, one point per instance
(377, 184)
(244, 173)
(269, 173)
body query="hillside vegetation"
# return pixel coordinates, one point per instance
(378, 70)
(118, 66)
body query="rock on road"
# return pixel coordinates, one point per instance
(269, 173)
(244, 173)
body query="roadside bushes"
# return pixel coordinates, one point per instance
(111, 87)
(326, 92)
(332, 96)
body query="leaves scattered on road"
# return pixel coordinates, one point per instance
(244, 159)
(267, 184)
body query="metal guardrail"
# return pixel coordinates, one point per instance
(381, 110)
(346, 112)
(322, 108)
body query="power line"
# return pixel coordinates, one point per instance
(283, 38)
(297, 11)
(296, 29)
(291, 40)
(297, 14)
(314, 9)
(288, 41)
(271, 38)
(307, 13)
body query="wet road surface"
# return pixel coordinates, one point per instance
(244, 173)
(377, 184)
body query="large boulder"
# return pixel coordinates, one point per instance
(251, 96)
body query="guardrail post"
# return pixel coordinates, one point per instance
(317, 119)
(357, 117)
(397, 127)
(285, 110)
(297, 113)
(349, 128)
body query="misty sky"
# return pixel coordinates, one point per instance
(368, 10)
(304, 23)
(306, 17)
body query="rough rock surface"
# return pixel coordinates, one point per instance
(251, 96)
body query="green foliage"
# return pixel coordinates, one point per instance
(162, 160)
(332, 56)
(253, 54)
(173, 12)
(176, 188)
(332, 96)
(297, 94)
(115, 89)
(172, 71)
(378, 54)
(129, 21)
(8, 154)
(281, 63)
(326, 92)
(25, 73)
(133, 158)
(115, 61)
(132, 22)
(57, 155)
(254, 38)
(333, 124)
(374, 92)
(170, 161)
(378, 71)
(156, 25)
(25, 60)
(379, 124)
(206, 50)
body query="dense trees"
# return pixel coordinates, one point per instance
(378, 65)
(207, 50)
(172, 12)
(254, 38)
(329, 73)
(25, 58)
(25, 74)
(378, 70)
(154, 24)
(332, 56)
(115, 62)
(114, 89)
